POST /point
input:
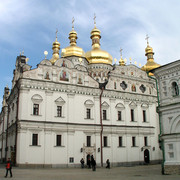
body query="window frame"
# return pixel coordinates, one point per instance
(89, 104)
(58, 140)
(132, 115)
(120, 141)
(133, 141)
(88, 113)
(105, 141)
(35, 139)
(145, 141)
(119, 115)
(104, 114)
(88, 141)
(144, 116)
(59, 111)
(35, 109)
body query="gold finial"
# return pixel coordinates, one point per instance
(23, 52)
(56, 33)
(121, 52)
(115, 60)
(94, 20)
(55, 48)
(147, 37)
(130, 59)
(121, 61)
(73, 23)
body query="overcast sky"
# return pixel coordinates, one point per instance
(30, 25)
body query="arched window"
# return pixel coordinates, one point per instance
(175, 89)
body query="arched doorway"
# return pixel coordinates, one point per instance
(146, 156)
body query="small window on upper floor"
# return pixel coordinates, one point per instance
(144, 116)
(132, 114)
(35, 109)
(105, 141)
(104, 115)
(59, 111)
(114, 85)
(88, 113)
(175, 89)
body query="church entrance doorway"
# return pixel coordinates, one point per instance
(146, 156)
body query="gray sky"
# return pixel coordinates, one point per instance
(30, 25)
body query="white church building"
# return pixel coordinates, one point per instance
(77, 105)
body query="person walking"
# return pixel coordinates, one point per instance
(8, 168)
(107, 164)
(93, 163)
(82, 163)
(89, 161)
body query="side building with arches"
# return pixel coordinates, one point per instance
(168, 77)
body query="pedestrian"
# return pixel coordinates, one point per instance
(8, 168)
(82, 163)
(108, 164)
(93, 163)
(89, 161)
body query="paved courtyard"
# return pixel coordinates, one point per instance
(148, 172)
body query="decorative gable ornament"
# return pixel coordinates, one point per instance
(37, 98)
(144, 106)
(60, 100)
(132, 105)
(105, 104)
(120, 106)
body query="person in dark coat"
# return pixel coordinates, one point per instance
(89, 162)
(93, 163)
(8, 168)
(108, 164)
(82, 163)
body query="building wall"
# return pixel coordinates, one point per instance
(170, 114)
(74, 126)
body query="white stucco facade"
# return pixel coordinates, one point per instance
(73, 126)
(168, 77)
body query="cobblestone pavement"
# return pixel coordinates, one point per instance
(148, 172)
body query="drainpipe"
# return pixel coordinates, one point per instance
(100, 97)
(160, 128)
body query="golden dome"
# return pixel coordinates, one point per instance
(149, 49)
(96, 55)
(55, 48)
(151, 64)
(73, 50)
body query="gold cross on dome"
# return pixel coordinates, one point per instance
(94, 19)
(121, 52)
(73, 22)
(56, 33)
(147, 37)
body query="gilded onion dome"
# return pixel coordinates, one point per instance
(96, 55)
(151, 64)
(73, 49)
(55, 48)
